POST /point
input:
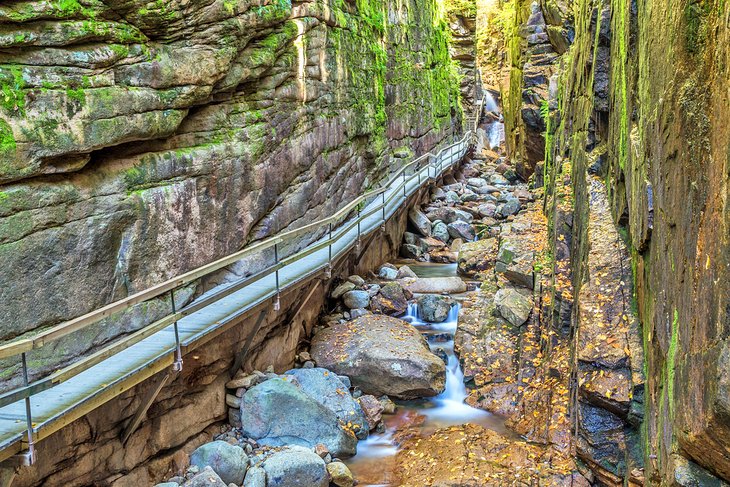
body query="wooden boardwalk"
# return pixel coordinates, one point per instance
(63, 403)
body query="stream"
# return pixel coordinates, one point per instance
(375, 460)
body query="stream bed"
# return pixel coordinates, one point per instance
(374, 463)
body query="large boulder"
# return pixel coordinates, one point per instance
(391, 300)
(448, 215)
(381, 355)
(477, 256)
(515, 260)
(436, 285)
(278, 412)
(328, 389)
(206, 478)
(420, 222)
(230, 462)
(513, 305)
(295, 467)
(356, 299)
(439, 231)
(340, 474)
(434, 308)
(461, 229)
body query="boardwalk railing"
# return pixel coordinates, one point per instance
(362, 209)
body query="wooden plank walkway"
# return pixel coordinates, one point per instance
(60, 405)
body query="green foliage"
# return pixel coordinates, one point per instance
(464, 8)
(12, 98)
(76, 95)
(7, 141)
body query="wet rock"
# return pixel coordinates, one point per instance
(420, 221)
(356, 299)
(689, 474)
(439, 231)
(255, 477)
(449, 215)
(429, 244)
(388, 405)
(405, 271)
(391, 300)
(452, 197)
(340, 475)
(205, 478)
(278, 412)
(461, 229)
(437, 285)
(358, 312)
(515, 262)
(295, 467)
(513, 306)
(388, 273)
(510, 207)
(381, 355)
(409, 251)
(434, 308)
(330, 391)
(228, 461)
(476, 182)
(373, 410)
(342, 289)
(477, 256)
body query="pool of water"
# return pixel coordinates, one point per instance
(428, 269)
(375, 460)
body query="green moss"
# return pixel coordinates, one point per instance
(12, 98)
(77, 95)
(7, 142)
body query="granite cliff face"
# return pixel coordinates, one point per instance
(635, 130)
(141, 139)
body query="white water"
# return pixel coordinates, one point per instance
(495, 130)
(490, 103)
(373, 464)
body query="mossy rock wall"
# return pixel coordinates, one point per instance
(139, 140)
(655, 134)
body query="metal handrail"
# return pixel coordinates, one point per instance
(63, 329)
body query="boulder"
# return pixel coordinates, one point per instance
(391, 300)
(439, 231)
(330, 391)
(356, 299)
(420, 222)
(515, 262)
(434, 308)
(256, 477)
(487, 210)
(228, 461)
(340, 475)
(443, 256)
(449, 215)
(342, 289)
(477, 256)
(356, 280)
(452, 197)
(358, 312)
(372, 408)
(510, 207)
(476, 182)
(387, 272)
(295, 467)
(205, 478)
(461, 229)
(405, 271)
(429, 244)
(409, 251)
(278, 412)
(513, 306)
(410, 238)
(438, 194)
(436, 285)
(381, 355)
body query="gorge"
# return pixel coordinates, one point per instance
(360, 242)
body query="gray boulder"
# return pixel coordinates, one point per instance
(330, 391)
(448, 215)
(356, 299)
(410, 251)
(510, 207)
(388, 273)
(230, 462)
(342, 289)
(461, 229)
(391, 300)
(420, 222)
(434, 308)
(405, 271)
(295, 467)
(452, 197)
(476, 182)
(205, 478)
(424, 285)
(381, 355)
(439, 231)
(513, 306)
(278, 412)
(255, 477)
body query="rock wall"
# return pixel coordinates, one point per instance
(139, 139)
(462, 18)
(637, 130)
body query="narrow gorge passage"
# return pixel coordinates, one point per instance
(384, 243)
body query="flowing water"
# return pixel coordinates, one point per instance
(495, 129)
(374, 462)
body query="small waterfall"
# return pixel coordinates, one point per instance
(490, 104)
(495, 129)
